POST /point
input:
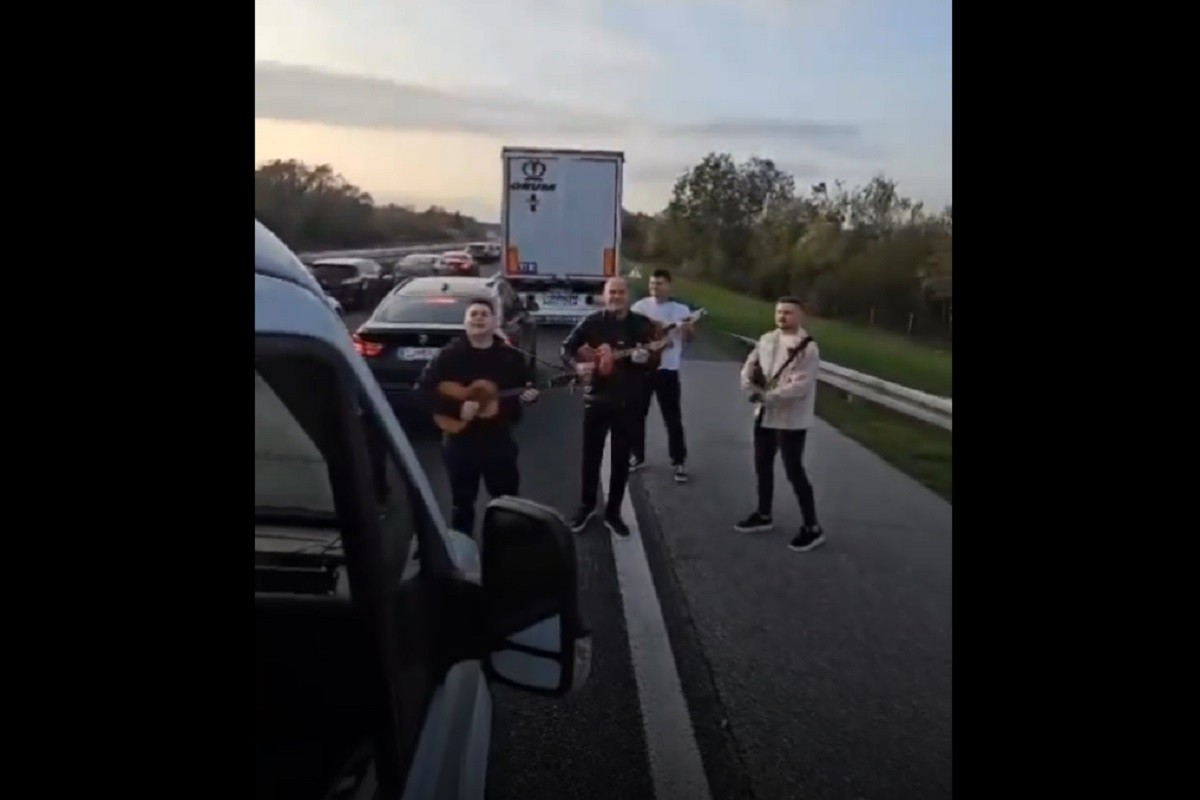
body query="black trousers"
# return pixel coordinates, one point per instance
(601, 420)
(469, 459)
(664, 385)
(790, 446)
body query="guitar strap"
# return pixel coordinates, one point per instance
(795, 351)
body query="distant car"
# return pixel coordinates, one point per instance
(329, 301)
(416, 265)
(458, 262)
(483, 253)
(424, 314)
(356, 283)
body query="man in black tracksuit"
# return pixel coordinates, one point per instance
(485, 448)
(611, 402)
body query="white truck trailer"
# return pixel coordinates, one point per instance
(561, 227)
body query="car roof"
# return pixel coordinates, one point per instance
(273, 257)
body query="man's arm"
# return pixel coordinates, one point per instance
(748, 369)
(645, 331)
(685, 329)
(431, 376)
(576, 339)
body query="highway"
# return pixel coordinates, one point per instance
(818, 675)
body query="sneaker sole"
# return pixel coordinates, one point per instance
(813, 545)
(614, 532)
(576, 528)
(755, 529)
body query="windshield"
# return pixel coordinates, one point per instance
(429, 309)
(290, 475)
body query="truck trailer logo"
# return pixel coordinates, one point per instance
(534, 173)
(534, 169)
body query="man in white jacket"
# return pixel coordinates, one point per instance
(788, 391)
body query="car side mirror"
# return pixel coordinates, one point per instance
(529, 575)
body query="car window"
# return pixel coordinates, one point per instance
(289, 471)
(293, 494)
(430, 309)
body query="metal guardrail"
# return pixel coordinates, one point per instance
(910, 402)
(386, 253)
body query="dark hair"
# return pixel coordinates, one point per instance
(665, 274)
(791, 300)
(483, 301)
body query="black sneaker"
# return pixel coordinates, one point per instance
(681, 475)
(613, 521)
(753, 523)
(635, 464)
(582, 517)
(808, 538)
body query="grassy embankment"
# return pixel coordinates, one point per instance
(920, 450)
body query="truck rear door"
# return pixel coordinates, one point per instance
(562, 214)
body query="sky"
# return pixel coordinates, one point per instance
(412, 101)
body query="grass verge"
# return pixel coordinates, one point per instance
(922, 451)
(880, 353)
(917, 449)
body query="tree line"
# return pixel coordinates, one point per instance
(315, 208)
(866, 254)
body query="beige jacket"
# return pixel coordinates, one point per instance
(790, 405)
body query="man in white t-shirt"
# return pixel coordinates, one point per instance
(663, 383)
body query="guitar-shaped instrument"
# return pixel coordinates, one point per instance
(663, 332)
(759, 381)
(604, 357)
(488, 395)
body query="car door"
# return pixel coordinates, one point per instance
(398, 563)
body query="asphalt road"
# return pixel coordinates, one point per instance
(819, 675)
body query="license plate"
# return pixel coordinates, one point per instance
(417, 353)
(561, 299)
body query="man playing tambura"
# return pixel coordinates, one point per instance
(782, 419)
(485, 449)
(663, 383)
(611, 402)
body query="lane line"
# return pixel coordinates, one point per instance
(675, 764)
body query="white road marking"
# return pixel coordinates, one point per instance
(675, 765)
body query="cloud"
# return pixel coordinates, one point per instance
(306, 94)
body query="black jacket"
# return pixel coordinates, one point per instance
(461, 363)
(625, 384)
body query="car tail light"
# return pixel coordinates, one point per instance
(365, 348)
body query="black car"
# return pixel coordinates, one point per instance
(424, 314)
(356, 283)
